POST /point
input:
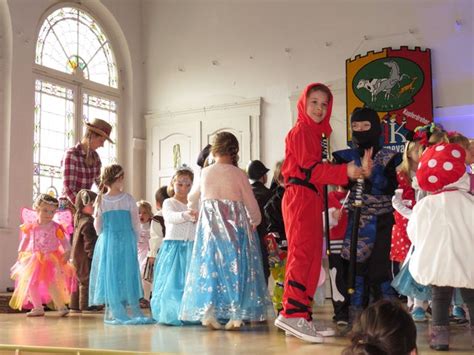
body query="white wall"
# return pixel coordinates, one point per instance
(248, 38)
(121, 20)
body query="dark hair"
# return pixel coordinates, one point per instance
(320, 87)
(383, 328)
(225, 143)
(161, 195)
(202, 157)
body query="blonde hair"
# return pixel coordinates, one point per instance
(405, 166)
(45, 198)
(110, 174)
(225, 143)
(458, 138)
(91, 159)
(438, 136)
(180, 172)
(146, 206)
(277, 175)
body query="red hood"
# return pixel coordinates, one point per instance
(323, 126)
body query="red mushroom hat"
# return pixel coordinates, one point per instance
(441, 165)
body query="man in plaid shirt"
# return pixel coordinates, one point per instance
(81, 163)
(77, 174)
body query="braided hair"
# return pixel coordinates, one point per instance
(225, 143)
(109, 175)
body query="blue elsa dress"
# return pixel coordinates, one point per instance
(225, 278)
(115, 274)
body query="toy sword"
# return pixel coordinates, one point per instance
(359, 188)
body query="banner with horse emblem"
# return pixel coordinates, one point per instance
(397, 84)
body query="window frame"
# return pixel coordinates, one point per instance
(78, 83)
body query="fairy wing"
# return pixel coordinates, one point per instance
(64, 218)
(28, 216)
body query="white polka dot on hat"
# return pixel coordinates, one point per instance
(441, 165)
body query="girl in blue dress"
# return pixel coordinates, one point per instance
(115, 275)
(225, 282)
(175, 253)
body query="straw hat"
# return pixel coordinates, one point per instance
(100, 127)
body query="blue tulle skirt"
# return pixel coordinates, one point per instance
(225, 278)
(171, 267)
(115, 275)
(406, 285)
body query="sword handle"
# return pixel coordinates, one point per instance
(325, 154)
(324, 148)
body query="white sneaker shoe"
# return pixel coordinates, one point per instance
(323, 330)
(300, 328)
(35, 312)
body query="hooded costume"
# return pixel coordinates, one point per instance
(302, 207)
(373, 269)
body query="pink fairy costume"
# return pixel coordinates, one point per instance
(41, 274)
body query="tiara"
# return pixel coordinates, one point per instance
(184, 167)
(41, 198)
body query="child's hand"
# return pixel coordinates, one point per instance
(367, 163)
(190, 216)
(337, 214)
(195, 215)
(354, 172)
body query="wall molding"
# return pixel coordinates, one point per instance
(252, 106)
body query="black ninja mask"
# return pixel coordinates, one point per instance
(370, 138)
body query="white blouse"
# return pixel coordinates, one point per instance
(178, 225)
(119, 202)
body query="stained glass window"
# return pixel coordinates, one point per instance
(53, 134)
(71, 41)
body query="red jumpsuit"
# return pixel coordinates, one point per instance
(302, 207)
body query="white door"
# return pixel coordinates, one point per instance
(172, 145)
(238, 126)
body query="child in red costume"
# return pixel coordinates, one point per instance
(305, 174)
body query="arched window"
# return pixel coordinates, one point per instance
(76, 81)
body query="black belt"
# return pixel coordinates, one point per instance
(301, 182)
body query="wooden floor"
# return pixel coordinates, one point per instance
(87, 334)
